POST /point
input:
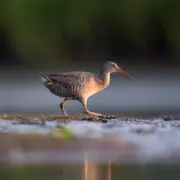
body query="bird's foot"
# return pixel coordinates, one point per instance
(102, 115)
(99, 117)
(95, 114)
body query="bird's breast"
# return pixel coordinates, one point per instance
(94, 86)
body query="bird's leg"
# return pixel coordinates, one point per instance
(63, 110)
(84, 103)
(62, 107)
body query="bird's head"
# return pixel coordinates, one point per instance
(111, 67)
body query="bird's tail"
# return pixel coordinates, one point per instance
(44, 78)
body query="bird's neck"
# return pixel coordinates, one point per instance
(105, 77)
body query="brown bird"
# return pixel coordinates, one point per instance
(79, 85)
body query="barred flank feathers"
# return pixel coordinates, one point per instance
(58, 90)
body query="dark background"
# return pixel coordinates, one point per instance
(142, 36)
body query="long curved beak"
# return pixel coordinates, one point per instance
(123, 73)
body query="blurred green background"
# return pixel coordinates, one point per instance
(47, 33)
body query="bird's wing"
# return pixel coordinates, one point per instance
(68, 78)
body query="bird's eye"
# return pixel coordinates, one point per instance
(114, 65)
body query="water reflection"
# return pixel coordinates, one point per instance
(90, 171)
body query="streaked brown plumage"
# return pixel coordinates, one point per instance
(80, 85)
